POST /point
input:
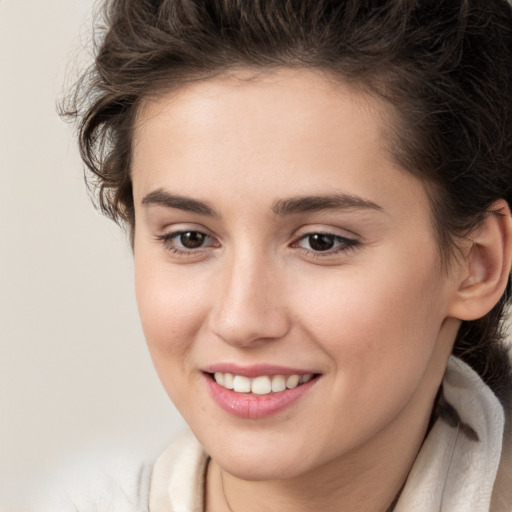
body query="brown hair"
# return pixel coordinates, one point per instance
(444, 65)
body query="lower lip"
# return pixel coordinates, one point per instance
(249, 406)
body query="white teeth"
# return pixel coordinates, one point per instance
(292, 381)
(262, 385)
(228, 381)
(278, 383)
(241, 384)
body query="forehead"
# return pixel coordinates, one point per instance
(289, 132)
(273, 105)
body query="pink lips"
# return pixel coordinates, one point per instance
(251, 406)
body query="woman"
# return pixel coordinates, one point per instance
(318, 199)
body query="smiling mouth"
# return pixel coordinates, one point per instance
(261, 385)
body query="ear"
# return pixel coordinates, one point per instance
(485, 268)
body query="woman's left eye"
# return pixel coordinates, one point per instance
(325, 243)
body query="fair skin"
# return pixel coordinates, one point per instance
(345, 285)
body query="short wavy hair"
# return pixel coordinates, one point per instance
(445, 66)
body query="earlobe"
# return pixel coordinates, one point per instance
(485, 269)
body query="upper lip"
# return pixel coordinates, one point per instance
(255, 370)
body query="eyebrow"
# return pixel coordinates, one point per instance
(331, 202)
(281, 208)
(162, 198)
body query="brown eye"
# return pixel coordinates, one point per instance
(326, 243)
(192, 239)
(321, 242)
(188, 243)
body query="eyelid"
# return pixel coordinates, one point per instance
(184, 227)
(311, 229)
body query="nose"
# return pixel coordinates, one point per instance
(249, 309)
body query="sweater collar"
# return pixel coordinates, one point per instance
(454, 473)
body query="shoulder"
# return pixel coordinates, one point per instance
(457, 466)
(494, 431)
(120, 486)
(174, 481)
(502, 493)
(493, 420)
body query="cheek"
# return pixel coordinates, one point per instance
(379, 335)
(172, 307)
(373, 321)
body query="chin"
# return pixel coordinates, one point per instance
(254, 458)
(265, 469)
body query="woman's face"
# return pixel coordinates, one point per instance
(277, 242)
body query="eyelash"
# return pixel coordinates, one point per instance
(344, 244)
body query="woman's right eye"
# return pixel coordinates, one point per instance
(191, 239)
(186, 241)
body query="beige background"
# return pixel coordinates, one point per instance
(76, 382)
